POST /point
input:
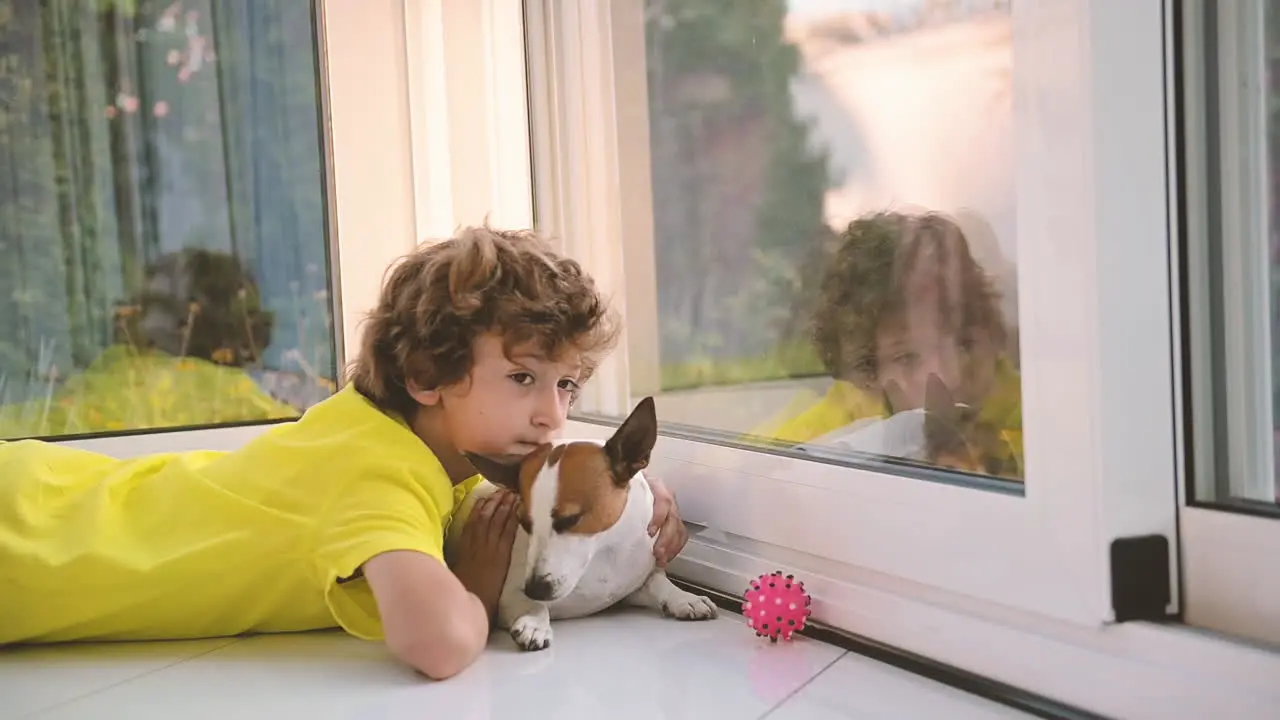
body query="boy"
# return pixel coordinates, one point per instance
(903, 299)
(477, 344)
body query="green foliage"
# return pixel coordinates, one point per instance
(127, 390)
(123, 7)
(741, 40)
(131, 128)
(787, 360)
(721, 70)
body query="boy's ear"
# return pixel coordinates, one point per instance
(630, 446)
(420, 396)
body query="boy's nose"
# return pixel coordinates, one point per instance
(549, 414)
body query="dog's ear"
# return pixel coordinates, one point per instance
(938, 400)
(501, 470)
(945, 422)
(630, 446)
(895, 399)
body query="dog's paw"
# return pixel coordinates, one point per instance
(531, 633)
(687, 606)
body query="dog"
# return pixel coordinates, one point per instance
(957, 437)
(583, 544)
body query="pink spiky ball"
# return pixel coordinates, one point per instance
(776, 606)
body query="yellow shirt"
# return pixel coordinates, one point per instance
(845, 404)
(207, 544)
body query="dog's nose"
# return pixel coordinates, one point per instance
(538, 588)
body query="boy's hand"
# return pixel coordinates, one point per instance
(666, 522)
(484, 549)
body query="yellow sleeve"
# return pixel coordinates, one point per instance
(843, 405)
(370, 517)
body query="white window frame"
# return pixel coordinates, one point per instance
(980, 580)
(1230, 579)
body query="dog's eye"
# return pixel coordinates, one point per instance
(566, 522)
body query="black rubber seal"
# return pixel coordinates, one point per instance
(972, 683)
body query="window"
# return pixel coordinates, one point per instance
(153, 144)
(1232, 260)
(834, 227)
(164, 252)
(711, 193)
(1240, 467)
(831, 242)
(675, 147)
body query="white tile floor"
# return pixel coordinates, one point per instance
(628, 664)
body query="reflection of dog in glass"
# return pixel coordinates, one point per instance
(956, 435)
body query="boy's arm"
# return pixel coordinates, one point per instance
(380, 558)
(666, 523)
(432, 623)
(434, 620)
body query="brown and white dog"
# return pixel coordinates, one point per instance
(584, 544)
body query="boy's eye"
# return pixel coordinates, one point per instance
(523, 379)
(907, 358)
(865, 366)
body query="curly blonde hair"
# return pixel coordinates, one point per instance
(439, 299)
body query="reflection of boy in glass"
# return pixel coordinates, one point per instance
(181, 344)
(198, 304)
(903, 300)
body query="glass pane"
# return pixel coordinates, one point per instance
(1234, 276)
(835, 239)
(163, 242)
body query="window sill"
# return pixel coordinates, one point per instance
(1132, 670)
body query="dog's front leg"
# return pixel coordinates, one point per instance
(528, 620)
(659, 593)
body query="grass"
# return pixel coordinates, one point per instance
(787, 361)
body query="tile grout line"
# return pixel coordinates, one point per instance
(803, 685)
(34, 715)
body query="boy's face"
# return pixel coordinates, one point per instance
(507, 406)
(909, 350)
(918, 341)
